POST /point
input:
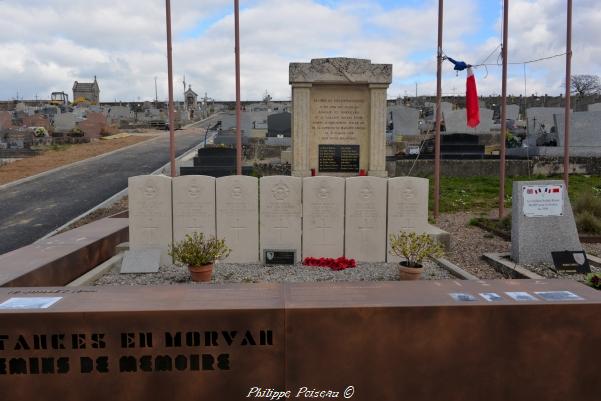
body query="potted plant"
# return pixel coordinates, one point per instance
(199, 254)
(414, 248)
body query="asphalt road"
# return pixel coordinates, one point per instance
(32, 209)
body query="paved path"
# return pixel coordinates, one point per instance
(30, 210)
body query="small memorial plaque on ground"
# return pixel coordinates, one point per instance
(571, 261)
(339, 158)
(279, 257)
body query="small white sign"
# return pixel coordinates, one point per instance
(29, 303)
(521, 296)
(542, 200)
(559, 296)
(491, 296)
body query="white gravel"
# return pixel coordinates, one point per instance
(255, 273)
(546, 271)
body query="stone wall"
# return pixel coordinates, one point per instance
(545, 166)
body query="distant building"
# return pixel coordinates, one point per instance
(83, 91)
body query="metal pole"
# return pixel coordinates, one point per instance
(170, 85)
(566, 140)
(438, 113)
(503, 112)
(237, 51)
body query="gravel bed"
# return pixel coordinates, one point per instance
(469, 243)
(593, 249)
(255, 273)
(546, 271)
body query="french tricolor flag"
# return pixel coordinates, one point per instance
(471, 100)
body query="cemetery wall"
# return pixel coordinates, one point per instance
(545, 166)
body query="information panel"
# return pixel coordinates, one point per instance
(543, 200)
(339, 158)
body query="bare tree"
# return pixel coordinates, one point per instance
(584, 85)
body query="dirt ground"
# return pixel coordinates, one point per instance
(62, 155)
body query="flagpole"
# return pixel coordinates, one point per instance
(170, 86)
(237, 51)
(503, 135)
(438, 112)
(568, 116)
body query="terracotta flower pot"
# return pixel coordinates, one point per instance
(201, 273)
(410, 273)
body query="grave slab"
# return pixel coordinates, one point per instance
(365, 222)
(237, 204)
(141, 261)
(280, 214)
(323, 217)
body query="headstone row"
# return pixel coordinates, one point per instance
(315, 216)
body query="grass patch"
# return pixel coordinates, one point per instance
(482, 193)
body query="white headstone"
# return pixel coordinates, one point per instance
(513, 112)
(193, 206)
(407, 207)
(365, 228)
(323, 216)
(281, 214)
(237, 203)
(150, 213)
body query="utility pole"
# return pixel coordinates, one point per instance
(568, 116)
(438, 112)
(503, 112)
(237, 52)
(170, 86)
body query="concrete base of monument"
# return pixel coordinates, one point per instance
(439, 235)
(469, 339)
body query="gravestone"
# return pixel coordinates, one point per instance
(281, 214)
(405, 120)
(64, 122)
(150, 213)
(594, 107)
(542, 221)
(513, 112)
(193, 206)
(456, 122)
(237, 204)
(585, 129)
(339, 116)
(323, 217)
(6, 121)
(365, 228)
(408, 211)
(540, 119)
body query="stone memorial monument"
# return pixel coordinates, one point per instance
(237, 203)
(339, 117)
(193, 206)
(542, 222)
(408, 211)
(150, 214)
(365, 228)
(280, 214)
(323, 217)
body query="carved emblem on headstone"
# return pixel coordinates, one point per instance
(280, 191)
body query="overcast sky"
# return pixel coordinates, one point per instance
(45, 45)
